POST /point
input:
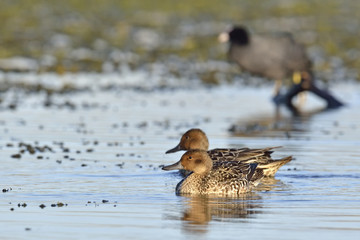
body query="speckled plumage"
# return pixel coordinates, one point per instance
(228, 178)
(246, 155)
(197, 139)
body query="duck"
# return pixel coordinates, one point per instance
(196, 138)
(224, 178)
(275, 56)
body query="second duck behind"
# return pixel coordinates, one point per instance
(196, 139)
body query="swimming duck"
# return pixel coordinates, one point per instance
(196, 139)
(275, 56)
(226, 178)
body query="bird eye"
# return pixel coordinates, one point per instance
(187, 137)
(190, 157)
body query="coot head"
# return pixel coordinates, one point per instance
(239, 35)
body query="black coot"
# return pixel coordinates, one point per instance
(278, 57)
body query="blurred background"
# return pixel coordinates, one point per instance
(173, 38)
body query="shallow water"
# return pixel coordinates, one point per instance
(100, 151)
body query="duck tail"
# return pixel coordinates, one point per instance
(271, 168)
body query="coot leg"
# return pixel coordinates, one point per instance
(286, 99)
(332, 102)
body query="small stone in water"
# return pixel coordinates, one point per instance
(16, 155)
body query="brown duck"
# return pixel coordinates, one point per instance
(225, 178)
(196, 139)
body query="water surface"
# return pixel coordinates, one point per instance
(99, 153)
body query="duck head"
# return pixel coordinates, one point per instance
(197, 161)
(193, 139)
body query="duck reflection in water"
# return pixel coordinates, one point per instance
(200, 210)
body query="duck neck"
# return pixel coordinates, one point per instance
(204, 168)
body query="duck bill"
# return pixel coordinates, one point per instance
(175, 149)
(175, 166)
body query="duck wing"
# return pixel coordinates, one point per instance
(244, 155)
(233, 171)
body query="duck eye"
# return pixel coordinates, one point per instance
(190, 157)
